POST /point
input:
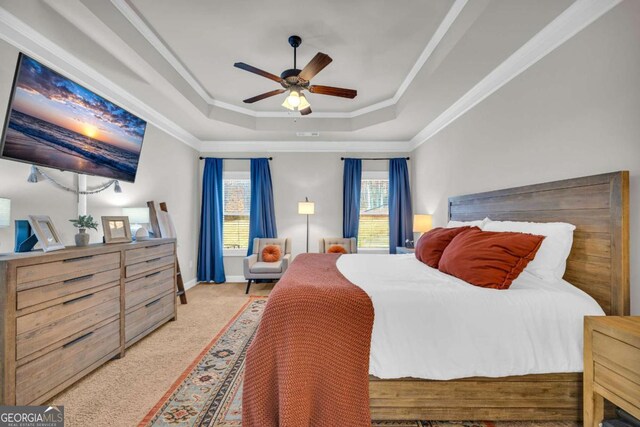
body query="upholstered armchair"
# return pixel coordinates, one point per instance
(256, 268)
(348, 243)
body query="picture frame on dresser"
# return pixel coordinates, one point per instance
(116, 229)
(46, 233)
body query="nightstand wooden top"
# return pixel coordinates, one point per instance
(625, 328)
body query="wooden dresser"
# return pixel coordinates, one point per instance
(611, 365)
(65, 313)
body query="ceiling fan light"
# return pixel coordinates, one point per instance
(286, 104)
(293, 98)
(303, 103)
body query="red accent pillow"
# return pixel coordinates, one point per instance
(489, 259)
(431, 244)
(337, 249)
(271, 253)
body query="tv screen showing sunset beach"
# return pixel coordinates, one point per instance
(55, 122)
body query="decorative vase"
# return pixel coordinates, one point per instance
(82, 238)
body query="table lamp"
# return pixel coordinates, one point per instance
(5, 213)
(307, 208)
(422, 223)
(138, 219)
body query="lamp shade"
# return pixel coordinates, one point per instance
(137, 215)
(422, 223)
(5, 212)
(306, 208)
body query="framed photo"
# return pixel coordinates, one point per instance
(46, 233)
(116, 229)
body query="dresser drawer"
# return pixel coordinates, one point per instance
(138, 321)
(55, 292)
(149, 287)
(134, 256)
(44, 329)
(33, 276)
(149, 265)
(35, 380)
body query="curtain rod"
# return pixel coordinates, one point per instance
(371, 158)
(232, 158)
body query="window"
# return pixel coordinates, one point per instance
(236, 195)
(373, 230)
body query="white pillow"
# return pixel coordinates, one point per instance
(550, 261)
(480, 223)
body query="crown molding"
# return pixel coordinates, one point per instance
(311, 146)
(17, 33)
(566, 25)
(143, 28)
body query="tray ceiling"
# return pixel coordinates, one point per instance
(373, 43)
(416, 67)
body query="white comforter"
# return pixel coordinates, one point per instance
(433, 326)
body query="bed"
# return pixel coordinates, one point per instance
(598, 265)
(310, 357)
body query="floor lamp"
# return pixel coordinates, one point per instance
(307, 208)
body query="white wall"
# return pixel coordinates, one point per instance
(575, 113)
(299, 175)
(167, 172)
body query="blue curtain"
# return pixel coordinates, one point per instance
(210, 265)
(400, 214)
(352, 180)
(262, 219)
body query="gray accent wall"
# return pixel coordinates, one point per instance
(574, 113)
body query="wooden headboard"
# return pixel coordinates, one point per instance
(599, 208)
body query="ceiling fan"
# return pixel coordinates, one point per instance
(295, 81)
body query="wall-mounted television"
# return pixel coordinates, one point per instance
(54, 122)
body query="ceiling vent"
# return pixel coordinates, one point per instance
(314, 133)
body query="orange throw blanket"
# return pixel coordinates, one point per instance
(308, 364)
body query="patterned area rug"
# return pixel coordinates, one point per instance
(209, 392)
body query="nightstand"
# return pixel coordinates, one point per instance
(611, 365)
(403, 250)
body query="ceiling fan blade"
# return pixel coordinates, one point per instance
(314, 66)
(333, 91)
(263, 96)
(257, 71)
(305, 111)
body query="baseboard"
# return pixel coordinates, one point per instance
(230, 279)
(190, 284)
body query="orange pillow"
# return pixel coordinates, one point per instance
(489, 259)
(337, 249)
(271, 253)
(431, 244)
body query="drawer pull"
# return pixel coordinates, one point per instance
(77, 299)
(82, 258)
(152, 303)
(152, 274)
(77, 340)
(154, 260)
(77, 279)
